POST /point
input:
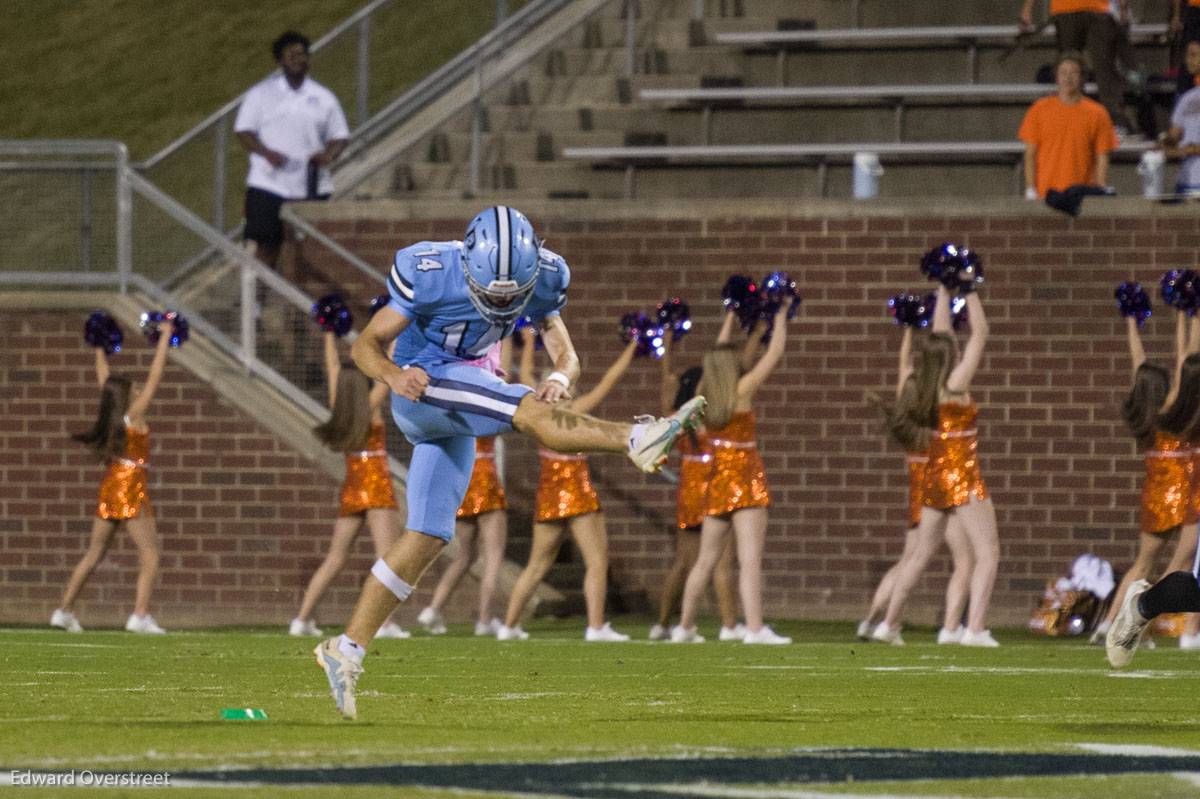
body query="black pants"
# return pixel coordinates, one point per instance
(1096, 34)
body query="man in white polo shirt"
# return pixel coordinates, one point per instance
(294, 128)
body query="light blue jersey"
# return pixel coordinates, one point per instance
(462, 401)
(427, 285)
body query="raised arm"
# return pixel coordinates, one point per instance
(370, 354)
(960, 378)
(1181, 327)
(726, 329)
(906, 366)
(558, 345)
(139, 404)
(941, 311)
(754, 345)
(333, 366)
(1137, 355)
(590, 400)
(102, 371)
(749, 382)
(670, 380)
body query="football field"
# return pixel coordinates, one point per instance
(555, 717)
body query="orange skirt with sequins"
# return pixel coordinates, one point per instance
(484, 493)
(695, 473)
(1167, 484)
(368, 482)
(916, 483)
(123, 492)
(564, 488)
(738, 479)
(952, 474)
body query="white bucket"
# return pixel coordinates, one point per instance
(1151, 170)
(866, 175)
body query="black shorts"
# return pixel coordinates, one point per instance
(263, 224)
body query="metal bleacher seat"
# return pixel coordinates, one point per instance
(969, 37)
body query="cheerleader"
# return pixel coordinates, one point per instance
(355, 427)
(695, 471)
(481, 526)
(566, 500)
(1163, 413)
(737, 492)
(121, 437)
(952, 486)
(902, 429)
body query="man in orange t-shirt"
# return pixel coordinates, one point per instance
(1087, 26)
(1067, 136)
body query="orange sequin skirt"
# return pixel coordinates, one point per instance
(484, 493)
(565, 488)
(1166, 491)
(691, 500)
(368, 483)
(123, 491)
(738, 479)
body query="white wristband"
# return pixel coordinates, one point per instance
(560, 378)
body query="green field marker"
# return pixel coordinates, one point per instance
(243, 714)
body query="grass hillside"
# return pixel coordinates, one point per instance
(146, 71)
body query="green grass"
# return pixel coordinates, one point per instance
(145, 72)
(110, 700)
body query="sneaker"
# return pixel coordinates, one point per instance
(863, 633)
(605, 633)
(1127, 627)
(685, 635)
(951, 636)
(505, 633)
(1189, 641)
(432, 621)
(299, 628)
(658, 633)
(737, 632)
(488, 628)
(1100, 633)
(392, 630)
(657, 436)
(887, 635)
(143, 624)
(343, 674)
(982, 638)
(765, 635)
(67, 621)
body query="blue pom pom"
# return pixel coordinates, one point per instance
(1181, 290)
(742, 297)
(957, 268)
(911, 310)
(958, 313)
(332, 315)
(101, 330)
(379, 302)
(674, 315)
(526, 321)
(152, 322)
(647, 331)
(1133, 301)
(777, 290)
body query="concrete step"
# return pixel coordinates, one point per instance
(702, 60)
(510, 146)
(535, 179)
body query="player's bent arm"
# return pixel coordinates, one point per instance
(557, 342)
(370, 349)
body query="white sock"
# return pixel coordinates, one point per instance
(351, 650)
(635, 436)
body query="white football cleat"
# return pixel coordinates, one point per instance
(343, 676)
(737, 632)
(432, 621)
(887, 635)
(67, 621)
(299, 628)
(1127, 627)
(655, 439)
(143, 624)
(392, 630)
(765, 635)
(605, 633)
(685, 635)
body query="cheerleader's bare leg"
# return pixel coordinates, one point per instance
(102, 535)
(547, 539)
(592, 538)
(345, 530)
(926, 540)
(145, 536)
(714, 536)
(962, 564)
(749, 531)
(492, 537)
(979, 520)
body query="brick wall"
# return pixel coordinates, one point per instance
(1063, 472)
(243, 519)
